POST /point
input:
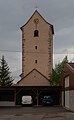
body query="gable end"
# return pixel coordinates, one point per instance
(42, 18)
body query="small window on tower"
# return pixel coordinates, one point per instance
(36, 47)
(35, 61)
(36, 33)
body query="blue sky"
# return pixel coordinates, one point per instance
(15, 13)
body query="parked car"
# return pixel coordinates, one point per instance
(47, 100)
(27, 100)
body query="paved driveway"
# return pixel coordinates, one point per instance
(35, 113)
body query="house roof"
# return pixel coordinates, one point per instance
(42, 18)
(69, 66)
(72, 65)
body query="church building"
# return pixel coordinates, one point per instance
(37, 51)
(37, 64)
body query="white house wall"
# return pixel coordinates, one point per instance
(72, 100)
(67, 99)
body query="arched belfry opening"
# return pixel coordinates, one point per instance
(36, 33)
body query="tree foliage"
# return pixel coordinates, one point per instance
(5, 78)
(58, 72)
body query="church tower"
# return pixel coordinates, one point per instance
(37, 46)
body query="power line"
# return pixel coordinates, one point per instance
(35, 52)
(10, 51)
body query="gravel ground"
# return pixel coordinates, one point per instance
(35, 113)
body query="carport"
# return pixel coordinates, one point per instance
(7, 96)
(37, 93)
(11, 96)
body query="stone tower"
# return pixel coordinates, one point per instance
(37, 46)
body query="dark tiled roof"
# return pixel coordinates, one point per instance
(72, 65)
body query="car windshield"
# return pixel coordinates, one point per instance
(47, 97)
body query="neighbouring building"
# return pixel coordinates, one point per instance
(68, 86)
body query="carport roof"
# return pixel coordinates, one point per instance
(29, 87)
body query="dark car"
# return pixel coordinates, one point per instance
(47, 100)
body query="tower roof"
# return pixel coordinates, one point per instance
(42, 18)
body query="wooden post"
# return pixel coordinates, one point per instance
(15, 96)
(37, 98)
